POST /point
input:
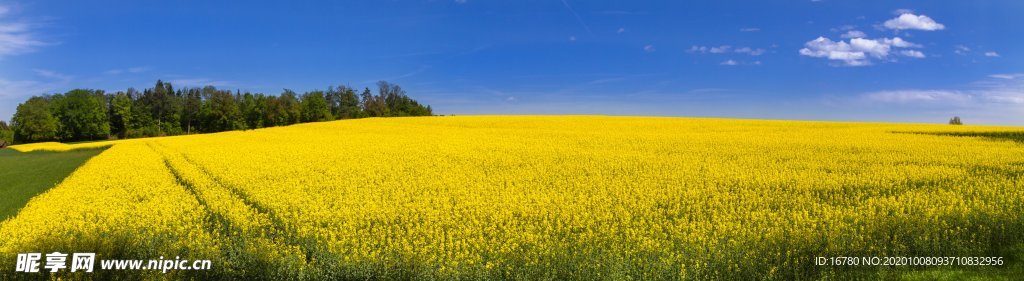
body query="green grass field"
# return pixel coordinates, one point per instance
(26, 174)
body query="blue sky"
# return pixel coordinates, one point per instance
(904, 61)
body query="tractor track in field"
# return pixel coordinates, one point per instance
(276, 231)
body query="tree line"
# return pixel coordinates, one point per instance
(83, 114)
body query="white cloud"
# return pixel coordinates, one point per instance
(460, 1)
(750, 51)
(649, 48)
(17, 90)
(724, 49)
(912, 53)
(853, 34)
(750, 29)
(992, 54)
(903, 11)
(720, 49)
(917, 96)
(52, 74)
(17, 37)
(843, 28)
(911, 21)
(857, 51)
(621, 30)
(1000, 94)
(572, 38)
(899, 42)
(1008, 76)
(961, 49)
(730, 62)
(997, 99)
(873, 47)
(13, 92)
(841, 51)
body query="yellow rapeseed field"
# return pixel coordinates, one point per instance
(539, 197)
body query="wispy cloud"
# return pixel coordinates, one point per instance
(13, 92)
(853, 34)
(750, 51)
(750, 29)
(419, 70)
(52, 74)
(725, 49)
(918, 96)
(997, 99)
(137, 69)
(614, 13)
(199, 82)
(649, 48)
(1009, 76)
(992, 54)
(17, 37)
(412, 73)
(961, 49)
(1001, 90)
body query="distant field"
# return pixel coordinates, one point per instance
(23, 175)
(543, 197)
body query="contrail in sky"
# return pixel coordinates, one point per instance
(578, 18)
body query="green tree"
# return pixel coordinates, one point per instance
(91, 114)
(393, 101)
(955, 121)
(348, 104)
(333, 97)
(33, 121)
(142, 123)
(222, 112)
(293, 109)
(373, 106)
(6, 134)
(315, 107)
(163, 106)
(82, 115)
(120, 114)
(192, 104)
(252, 107)
(274, 113)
